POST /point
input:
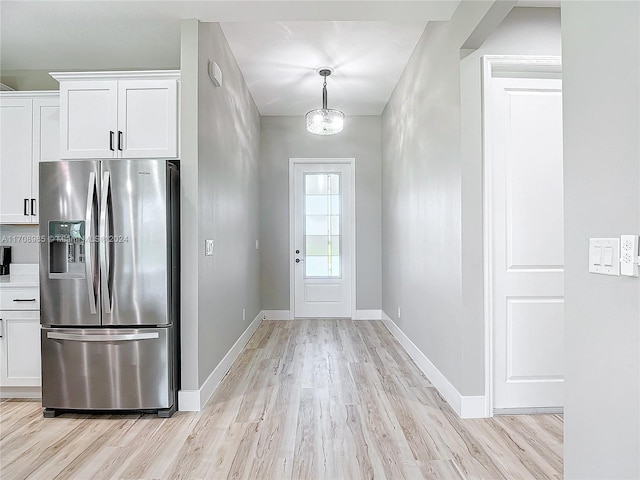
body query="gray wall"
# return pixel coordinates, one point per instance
(29, 80)
(601, 83)
(421, 203)
(286, 137)
(433, 184)
(524, 31)
(220, 140)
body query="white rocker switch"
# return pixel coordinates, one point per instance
(604, 255)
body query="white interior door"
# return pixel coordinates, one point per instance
(323, 227)
(523, 125)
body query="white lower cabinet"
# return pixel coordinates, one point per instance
(20, 348)
(19, 343)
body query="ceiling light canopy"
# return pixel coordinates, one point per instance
(325, 121)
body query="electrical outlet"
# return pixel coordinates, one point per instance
(257, 244)
(398, 312)
(629, 255)
(244, 315)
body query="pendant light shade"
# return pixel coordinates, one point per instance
(324, 121)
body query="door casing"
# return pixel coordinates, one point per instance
(350, 230)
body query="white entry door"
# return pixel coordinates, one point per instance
(523, 125)
(323, 227)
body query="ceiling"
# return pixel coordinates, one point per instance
(279, 62)
(278, 44)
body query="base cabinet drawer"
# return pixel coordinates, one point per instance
(19, 349)
(19, 299)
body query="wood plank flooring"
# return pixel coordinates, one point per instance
(316, 399)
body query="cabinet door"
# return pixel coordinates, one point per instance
(15, 160)
(88, 119)
(148, 118)
(20, 349)
(46, 141)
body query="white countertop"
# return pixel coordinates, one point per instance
(21, 275)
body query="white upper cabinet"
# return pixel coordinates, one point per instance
(119, 114)
(88, 119)
(29, 132)
(147, 118)
(15, 160)
(46, 142)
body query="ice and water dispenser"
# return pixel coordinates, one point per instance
(66, 249)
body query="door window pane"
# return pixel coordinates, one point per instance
(321, 183)
(322, 204)
(322, 245)
(317, 266)
(322, 211)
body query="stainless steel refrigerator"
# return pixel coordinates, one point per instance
(109, 285)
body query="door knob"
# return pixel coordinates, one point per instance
(299, 260)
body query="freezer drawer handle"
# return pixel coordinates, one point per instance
(75, 337)
(24, 299)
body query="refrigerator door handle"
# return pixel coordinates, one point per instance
(104, 243)
(88, 240)
(123, 337)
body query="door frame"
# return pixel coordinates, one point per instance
(500, 66)
(351, 230)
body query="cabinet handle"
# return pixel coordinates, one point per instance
(1, 328)
(119, 140)
(33, 206)
(26, 206)
(111, 134)
(24, 299)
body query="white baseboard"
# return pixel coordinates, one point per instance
(189, 400)
(194, 400)
(464, 406)
(368, 315)
(529, 411)
(275, 315)
(286, 315)
(21, 392)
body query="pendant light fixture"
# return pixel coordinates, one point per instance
(325, 121)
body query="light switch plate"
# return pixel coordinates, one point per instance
(604, 256)
(208, 248)
(629, 255)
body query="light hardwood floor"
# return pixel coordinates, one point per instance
(309, 399)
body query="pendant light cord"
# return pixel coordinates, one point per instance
(324, 94)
